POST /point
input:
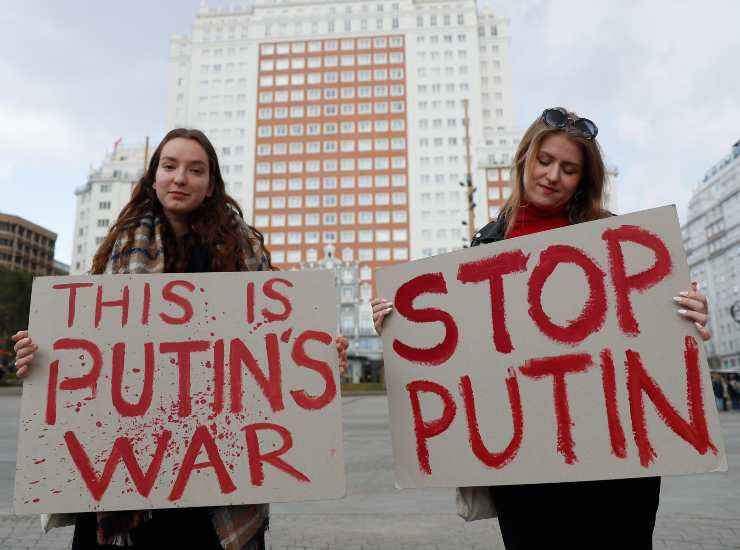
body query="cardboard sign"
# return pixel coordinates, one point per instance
(553, 357)
(160, 391)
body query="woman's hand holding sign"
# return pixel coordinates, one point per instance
(24, 352)
(381, 308)
(342, 344)
(695, 308)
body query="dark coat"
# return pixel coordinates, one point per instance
(490, 233)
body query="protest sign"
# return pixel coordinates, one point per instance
(553, 357)
(155, 391)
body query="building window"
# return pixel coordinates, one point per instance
(312, 219)
(312, 237)
(383, 254)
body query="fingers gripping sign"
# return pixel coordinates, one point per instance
(694, 307)
(24, 349)
(342, 346)
(381, 309)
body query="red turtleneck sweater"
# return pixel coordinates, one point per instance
(530, 219)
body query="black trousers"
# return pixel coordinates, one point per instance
(170, 528)
(616, 513)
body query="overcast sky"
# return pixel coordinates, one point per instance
(660, 78)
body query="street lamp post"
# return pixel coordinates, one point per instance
(468, 183)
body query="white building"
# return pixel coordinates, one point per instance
(101, 199)
(711, 237)
(351, 114)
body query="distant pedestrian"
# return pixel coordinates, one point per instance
(733, 390)
(718, 387)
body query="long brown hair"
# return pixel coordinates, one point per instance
(213, 224)
(587, 203)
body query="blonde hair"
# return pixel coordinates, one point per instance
(587, 203)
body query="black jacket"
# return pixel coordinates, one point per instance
(490, 233)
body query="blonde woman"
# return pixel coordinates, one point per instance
(559, 180)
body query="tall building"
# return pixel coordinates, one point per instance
(343, 123)
(711, 237)
(101, 199)
(25, 246)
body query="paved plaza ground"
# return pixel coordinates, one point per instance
(697, 512)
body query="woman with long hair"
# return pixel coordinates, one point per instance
(558, 180)
(179, 220)
(182, 209)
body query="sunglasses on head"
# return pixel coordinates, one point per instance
(557, 117)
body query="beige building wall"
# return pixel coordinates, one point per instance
(25, 246)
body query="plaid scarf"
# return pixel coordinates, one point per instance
(146, 252)
(235, 525)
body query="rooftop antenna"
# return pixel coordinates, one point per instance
(146, 152)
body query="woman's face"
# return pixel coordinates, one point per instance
(183, 180)
(555, 173)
